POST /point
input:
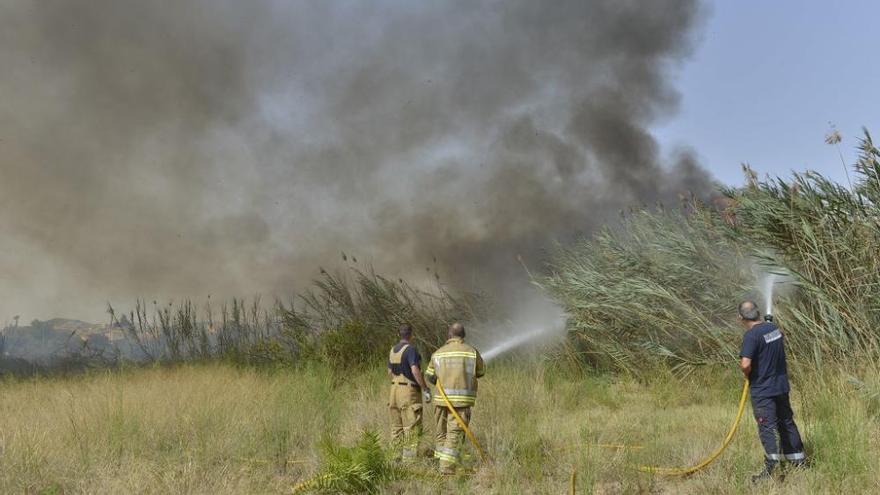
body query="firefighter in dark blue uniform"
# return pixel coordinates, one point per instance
(762, 361)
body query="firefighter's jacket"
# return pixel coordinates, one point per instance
(457, 365)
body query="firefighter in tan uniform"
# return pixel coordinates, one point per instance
(457, 365)
(407, 389)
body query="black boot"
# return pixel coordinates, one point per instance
(766, 473)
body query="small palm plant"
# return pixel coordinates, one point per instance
(363, 468)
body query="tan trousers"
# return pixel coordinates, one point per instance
(450, 434)
(405, 409)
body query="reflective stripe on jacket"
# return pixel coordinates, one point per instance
(458, 366)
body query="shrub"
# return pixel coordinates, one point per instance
(349, 318)
(354, 320)
(362, 468)
(662, 287)
(656, 290)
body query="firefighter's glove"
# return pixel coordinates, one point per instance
(426, 395)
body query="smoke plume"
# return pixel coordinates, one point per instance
(191, 147)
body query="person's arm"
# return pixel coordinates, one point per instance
(745, 365)
(414, 359)
(749, 349)
(430, 373)
(417, 373)
(481, 367)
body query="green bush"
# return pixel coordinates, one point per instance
(349, 319)
(353, 320)
(655, 291)
(353, 344)
(828, 238)
(362, 468)
(662, 287)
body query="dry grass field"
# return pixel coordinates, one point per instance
(220, 429)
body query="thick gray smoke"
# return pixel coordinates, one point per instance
(172, 148)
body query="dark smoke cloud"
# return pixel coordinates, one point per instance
(173, 148)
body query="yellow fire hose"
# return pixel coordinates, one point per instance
(684, 471)
(665, 471)
(461, 422)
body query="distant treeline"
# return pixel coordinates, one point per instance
(58, 344)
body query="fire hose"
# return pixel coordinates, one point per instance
(665, 471)
(460, 421)
(684, 471)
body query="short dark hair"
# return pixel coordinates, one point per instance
(405, 331)
(749, 311)
(456, 330)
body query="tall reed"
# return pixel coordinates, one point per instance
(661, 288)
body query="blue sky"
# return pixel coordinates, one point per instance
(766, 79)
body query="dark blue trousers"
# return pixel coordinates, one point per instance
(776, 428)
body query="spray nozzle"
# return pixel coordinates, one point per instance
(768, 318)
